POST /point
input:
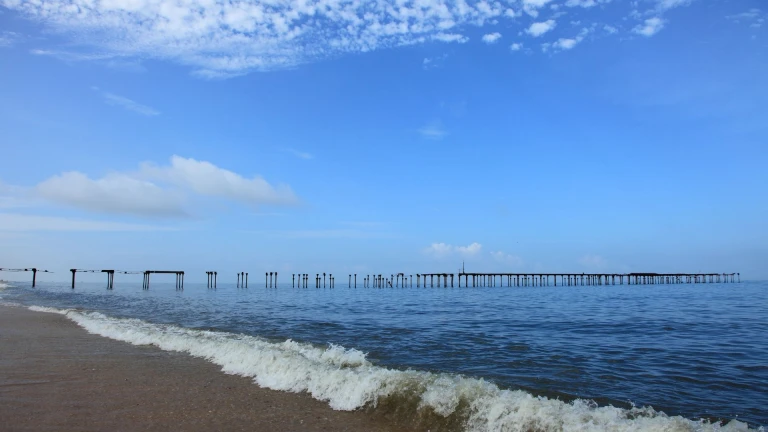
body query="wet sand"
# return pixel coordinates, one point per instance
(54, 376)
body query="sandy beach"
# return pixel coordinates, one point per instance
(54, 376)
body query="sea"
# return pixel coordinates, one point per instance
(687, 357)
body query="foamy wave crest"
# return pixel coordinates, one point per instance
(347, 380)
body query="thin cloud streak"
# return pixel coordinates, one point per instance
(433, 131)
(300, 154)
(129, 104)
(343, 233)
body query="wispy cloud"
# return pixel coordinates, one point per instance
(345, 233)
(299, 154)
(364, 224)
(507, 259)
(569, 43)
(531, 7)
(669, 4)
(15, 222)
(649, 27)
(220, 39)
(433, 130)
(442, 250)
(585, 3)
(112, 61)
(126, 103)
(9, 38)
(433, 62)
(754, 17)
(516, 46)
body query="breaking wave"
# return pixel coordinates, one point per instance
(347, 380)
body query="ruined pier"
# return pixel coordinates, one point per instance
(34, 271)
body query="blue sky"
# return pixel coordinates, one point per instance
(340, 136)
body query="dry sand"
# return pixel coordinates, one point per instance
(54, 376)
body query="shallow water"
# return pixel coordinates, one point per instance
(696, 351)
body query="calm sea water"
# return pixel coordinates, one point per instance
(696, 351)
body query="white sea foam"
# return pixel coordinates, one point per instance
(346, 380)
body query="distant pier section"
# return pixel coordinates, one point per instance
(591, 279)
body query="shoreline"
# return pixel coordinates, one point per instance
(54, 375)
(271, 386)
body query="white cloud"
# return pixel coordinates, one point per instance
(450, 37)
(433, 130)
(592, 261)
(610, 29)
(569, 43)
(207, 179)
(15, 222)
(114, 193)
(516, 46)
(650, 27)
(226, 38)
(128, 104)
(531, 7)
(539, 28)
(507, 259)
(566, 44)
(221, 38)
(159, 190)
(441, 250)
(491, 38)
(582, 3)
